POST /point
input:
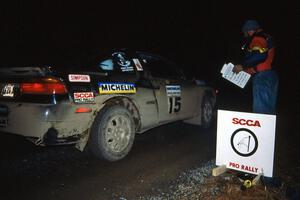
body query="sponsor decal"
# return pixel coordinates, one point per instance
(79, 78)
(123, 62)
(119, 56)
(173, 90)
(127, 69)
(84, 97)
(8, 90)
(174, 98)
(116, 88)
(137, 64)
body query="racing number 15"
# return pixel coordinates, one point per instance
(174, 104)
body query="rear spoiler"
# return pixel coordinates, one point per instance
(24, 71)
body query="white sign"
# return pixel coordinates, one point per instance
(245, 141)
(240, 79)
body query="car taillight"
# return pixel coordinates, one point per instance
(43, 86)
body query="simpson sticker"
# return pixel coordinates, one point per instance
(83, 97)
(173, 90)
(79, 78)
(116, 88)
(137, 64)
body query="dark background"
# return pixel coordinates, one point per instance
(201, 35)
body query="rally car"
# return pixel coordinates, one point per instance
(101, 105)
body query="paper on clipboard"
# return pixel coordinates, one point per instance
(239, 79)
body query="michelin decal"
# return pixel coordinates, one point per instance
(116, 88)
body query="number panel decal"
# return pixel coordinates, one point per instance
(174, 104)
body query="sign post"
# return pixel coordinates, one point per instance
(245, 142)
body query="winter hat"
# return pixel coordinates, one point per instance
(250, 25)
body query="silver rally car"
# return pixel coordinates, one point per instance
(101, 105)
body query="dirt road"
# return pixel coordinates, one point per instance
(30, 172)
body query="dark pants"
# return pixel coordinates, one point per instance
(265, 86)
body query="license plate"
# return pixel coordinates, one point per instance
(8, 90)
(3, 122)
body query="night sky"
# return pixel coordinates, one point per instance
(201, 36)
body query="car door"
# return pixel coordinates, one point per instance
(127, 69)
(182, 94)
(169, 90)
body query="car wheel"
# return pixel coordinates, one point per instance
(207, 111)
(112, 133)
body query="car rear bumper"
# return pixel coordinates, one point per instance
(46, 124)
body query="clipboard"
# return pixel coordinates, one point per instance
(240, 79)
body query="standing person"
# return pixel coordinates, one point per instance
(259, 54)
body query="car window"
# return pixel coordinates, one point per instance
(161, 67)
(122, 62)
(106, 65)
(116, 62)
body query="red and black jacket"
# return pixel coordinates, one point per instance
(259, 53)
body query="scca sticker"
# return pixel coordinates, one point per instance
(84, 97)
(116, 88)
(79, 78)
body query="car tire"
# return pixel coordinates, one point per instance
(207, 111)
(112, 133)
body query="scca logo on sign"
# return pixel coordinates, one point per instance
(247, 122)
